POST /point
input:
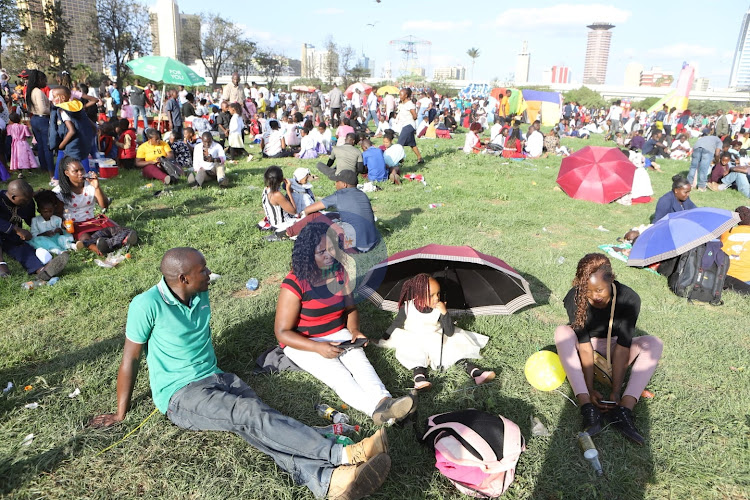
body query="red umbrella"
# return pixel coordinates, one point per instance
(596, 174)
(472, 282)
(363, 87)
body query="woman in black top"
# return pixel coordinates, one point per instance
(590, 305)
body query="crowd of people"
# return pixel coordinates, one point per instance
(317, 322)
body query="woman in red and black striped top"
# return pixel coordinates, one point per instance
(315, 315)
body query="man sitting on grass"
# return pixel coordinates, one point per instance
(349, 158)
(172, 320)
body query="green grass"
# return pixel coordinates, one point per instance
(71, 335)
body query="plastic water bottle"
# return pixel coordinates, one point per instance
(560, 260)
(331, 414)
(30, 285)
(53, 280)
(436, 205)
(337, 429)
(252, 284)
(590, 452)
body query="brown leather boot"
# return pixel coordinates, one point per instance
(352, 482)
(367, 448)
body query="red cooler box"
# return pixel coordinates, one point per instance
(107, 167)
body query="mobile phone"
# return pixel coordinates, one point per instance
(358, 342)
(608, 403)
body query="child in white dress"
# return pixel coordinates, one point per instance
(46, 228)
(421, 323)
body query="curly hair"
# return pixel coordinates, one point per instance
(418, 290)
(303, 253)
(589, 265)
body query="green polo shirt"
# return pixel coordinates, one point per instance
(177, 337)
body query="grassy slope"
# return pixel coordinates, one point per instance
(70, 335)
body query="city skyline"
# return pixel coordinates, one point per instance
(556, 34)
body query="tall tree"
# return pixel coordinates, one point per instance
(346, 58)
(473, 53)
(271, 66)
(215, 43)
(123, 32)
(243, 57)
(46, 48)
(331, 66)
(358, 73)
(9, 22)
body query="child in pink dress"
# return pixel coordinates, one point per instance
(21, 155)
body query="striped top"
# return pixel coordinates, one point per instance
(322, 312)
(275, 214)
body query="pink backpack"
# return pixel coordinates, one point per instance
(476, 450)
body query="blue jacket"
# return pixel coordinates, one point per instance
(81, 144)
(668, 204)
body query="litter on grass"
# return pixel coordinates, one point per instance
(538, 428)
(213, 277)
(111, 260)
(28, 388)
(31, 406)
(220, 223)
(75, 393)
(27, 440)
(602, 229)
(8, 388)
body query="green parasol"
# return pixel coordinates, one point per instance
(166, 70)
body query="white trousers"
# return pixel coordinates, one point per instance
(351, 375)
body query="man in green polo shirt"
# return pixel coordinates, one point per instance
(172, 321)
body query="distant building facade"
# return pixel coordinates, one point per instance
(449, 73)
(80, 48)
(597, 53)
(740, 75)
(322, 64)
(523, 62)
(655, 77)
(168, 30)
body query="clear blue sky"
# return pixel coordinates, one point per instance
(652, 33)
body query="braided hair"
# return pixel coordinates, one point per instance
(589, 265)
(418, 290)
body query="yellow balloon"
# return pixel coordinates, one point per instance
(544, 371)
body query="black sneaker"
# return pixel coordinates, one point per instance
(592, 419)
(103, 246)
(623, 420)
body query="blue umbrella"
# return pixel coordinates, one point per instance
(679, 232)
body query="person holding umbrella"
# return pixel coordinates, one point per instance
(423, 334)
(603, 313)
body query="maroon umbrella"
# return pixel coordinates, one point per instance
(596, 174)
(471, 282)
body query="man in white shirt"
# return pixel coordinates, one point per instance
(615, 114)
(357, 102)
(390, 105)
(535, 140)
(372, 108)
(208, 162)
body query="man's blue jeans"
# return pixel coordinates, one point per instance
(740, 179)
(701, 162)
(139, 110)
(223, 402)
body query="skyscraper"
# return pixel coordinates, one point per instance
(166, 29)
(522, 65)
(597, 53)
(80, 48)
(740, 76)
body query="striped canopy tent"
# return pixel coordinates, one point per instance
(543, 106)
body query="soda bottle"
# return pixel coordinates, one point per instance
(331, 414)
(338, 429)
(339, 439)
(590, 452)
(68, 221)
